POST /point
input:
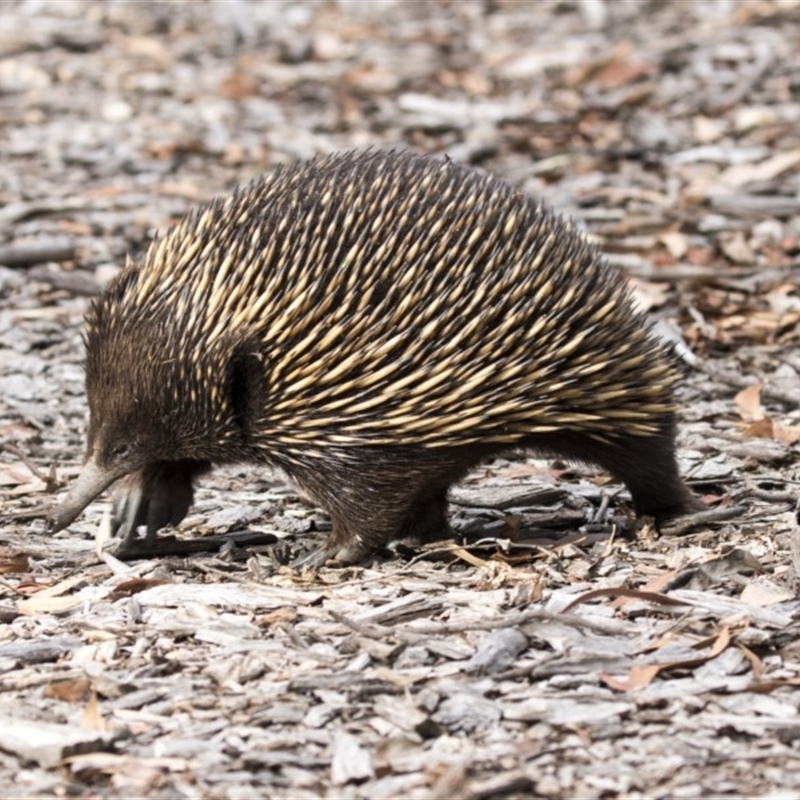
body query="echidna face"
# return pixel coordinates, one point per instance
(135, 420)
(173, 402)
(116, 448)
(139, 424)
(121, 445)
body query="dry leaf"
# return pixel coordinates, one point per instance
(785, 434)
(648, 295)
(636, 594)
(655, 584)
(128, 588)
(279, 616)
(71, 690)
(640, 675)
(748, 401)
(92, 719)
(465, 555)
(44, 604)
(676, 243)
(769, 429)
(764, 593)
(756, 664)
(770, 168)
(62, 587)
(763, 429)
(15, 474)
(13, 563)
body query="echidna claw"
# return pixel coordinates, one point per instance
(313, 560)
(328, 556)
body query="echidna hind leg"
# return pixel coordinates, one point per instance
(365, 515)
(654, 481)
(354, 538)
(649, 468)
(645, 464)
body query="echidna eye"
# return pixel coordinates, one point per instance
(120, 451)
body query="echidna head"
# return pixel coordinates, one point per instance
(156, 396)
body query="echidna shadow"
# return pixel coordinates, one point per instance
(375, 325)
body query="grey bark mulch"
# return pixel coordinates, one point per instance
(556, 649)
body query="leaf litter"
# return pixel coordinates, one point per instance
(557, 649)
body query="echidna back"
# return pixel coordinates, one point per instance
(405, 299)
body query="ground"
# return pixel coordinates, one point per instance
(567, 652)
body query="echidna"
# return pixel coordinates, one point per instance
(374, 324)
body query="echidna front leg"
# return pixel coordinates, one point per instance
(424, 520)
(157, 496)
(427, 520)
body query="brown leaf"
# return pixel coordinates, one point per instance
(640, 675)
(465, 555)
(277, 617)
(134, 586)
(71, 690)
(756, 664)
(651, 597)
(15, 474)
(748, 401)
(621, 72)
(767, 686)
(13, 563)
(238, 86)
(769, 429)
(700, 256)
(769, 169)
(785, 434)
(762, 429)
(718, 645)
(92, 719)
(677, 243)
(655, 584)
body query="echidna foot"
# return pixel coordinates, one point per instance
(157, 496)
(326, 554)
(353, 544)
(428, 521)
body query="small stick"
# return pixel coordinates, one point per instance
(26, 254)
(50, 480)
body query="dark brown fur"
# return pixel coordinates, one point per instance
(375, 325)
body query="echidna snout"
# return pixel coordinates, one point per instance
(375, 325)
